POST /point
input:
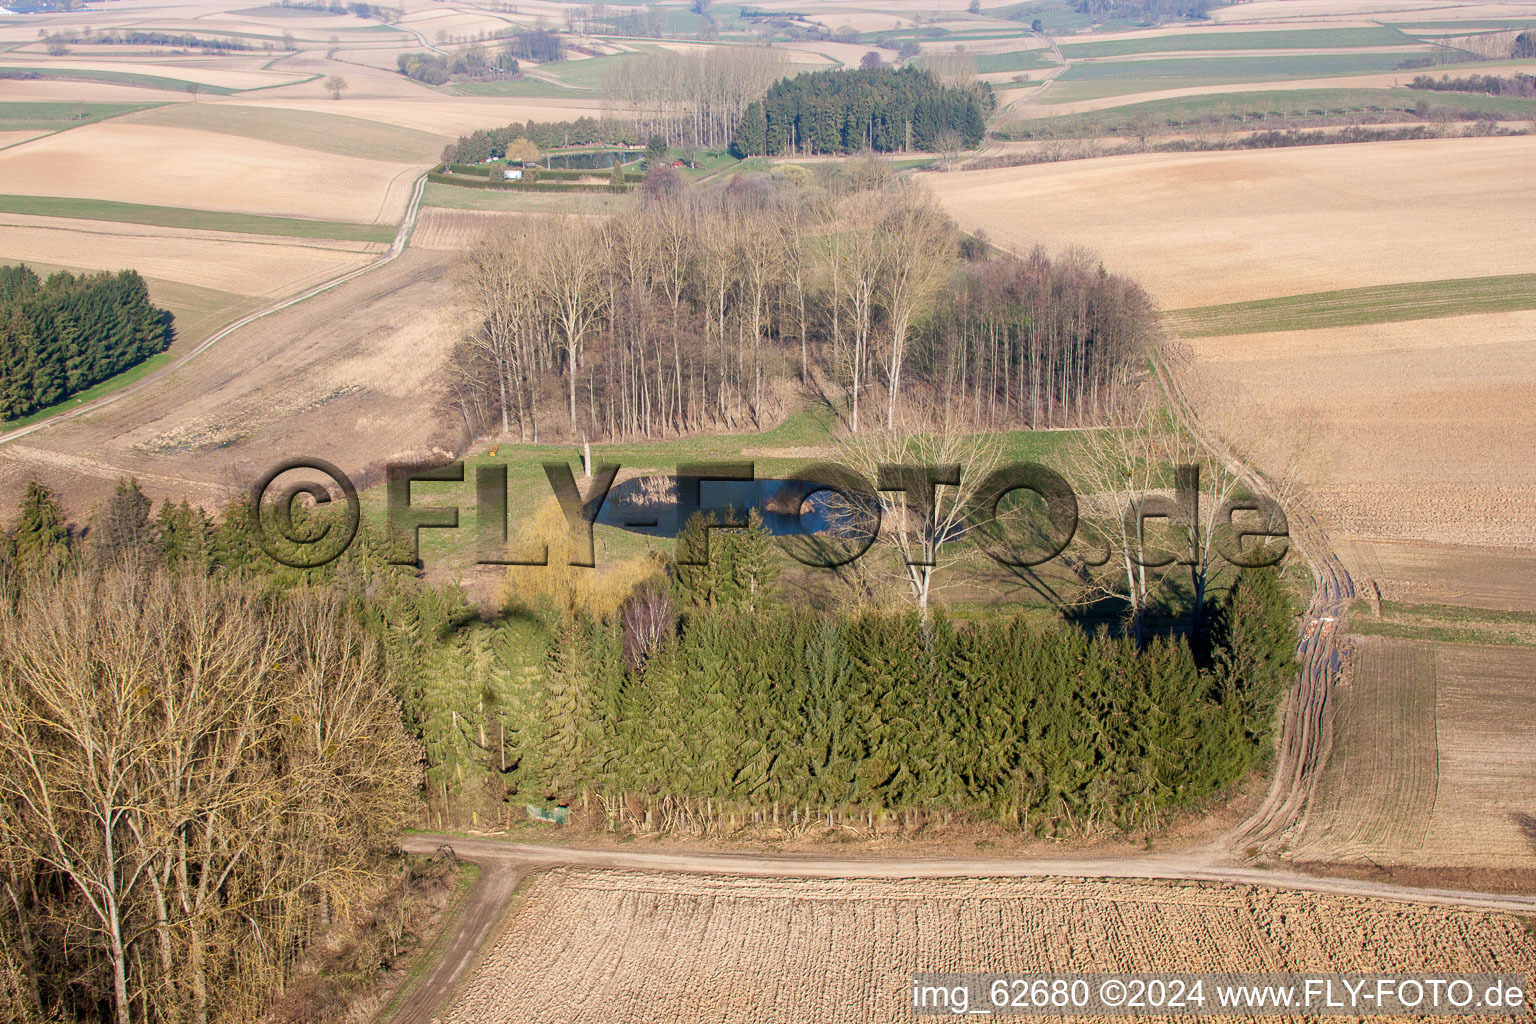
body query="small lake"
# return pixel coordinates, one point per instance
(586, 161)
(648, 505)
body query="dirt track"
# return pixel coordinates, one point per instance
(503, 864)
(483, 909)
(1303, 750)
(343, 371)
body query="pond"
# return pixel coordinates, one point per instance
(648, 505)
(597, 161)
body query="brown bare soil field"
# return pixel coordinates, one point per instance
(1485, 813)
(1409, 429)
(455, 21)
(449, 116)
(1025, 105)
(181, 167)
(1225, 227)
(330, 131)
(456, 230)
(48, 90)
(268, 266)
(362, 81)
(347, 376)
(230, 79)
(1378, 789)
(1444, 575)
(1218, 30)
(1386, 10)
(1431, 764)
(12, 138)
(1463, 12)
(694, 948)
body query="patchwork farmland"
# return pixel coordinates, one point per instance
(792, 950)
(1343, 265)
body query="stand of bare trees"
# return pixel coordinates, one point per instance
(194, 781)
(713, 308)
(1041, 342)
(695, 98)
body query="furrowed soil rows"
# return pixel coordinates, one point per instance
(1486, 811)
(693, 948)
(456, 230)
(1202, 229)
(1431, 763)
(1405, 429)
(1378, 790)
(1438, 574)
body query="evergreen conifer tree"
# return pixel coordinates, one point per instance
(123, 528)
(42, 535)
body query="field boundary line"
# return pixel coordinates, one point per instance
(1306, 735)
(396, 248)
(463, 943)
(749, 865)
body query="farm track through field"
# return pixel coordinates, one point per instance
(504, 864)
(402, 237)
(1306, 718)
(1046, 82)
(1303, 750)
(483, 909)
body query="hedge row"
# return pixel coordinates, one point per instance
(558, 174)
(439, 178)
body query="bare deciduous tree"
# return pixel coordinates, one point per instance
(200, 770)
(928, 482)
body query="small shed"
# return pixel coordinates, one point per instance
(512, 174)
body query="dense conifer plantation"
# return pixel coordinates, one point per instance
(709, 698)
(62, 335)
(844, 111)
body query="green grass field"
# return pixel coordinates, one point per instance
(1071, 92)
(451, 197)
(205, 220)
(121, 78)
(1241, 68)
(52, 117)
(1421, 300)
(585, 75)
(323, 132)
(522, 87)
(1264, 109)
(1053, 14)
(1018, 60)
(1291, 39)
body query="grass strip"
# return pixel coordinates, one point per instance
(1349, 307)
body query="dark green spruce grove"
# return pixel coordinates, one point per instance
(61, 335)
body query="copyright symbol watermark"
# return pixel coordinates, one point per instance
(310, 542)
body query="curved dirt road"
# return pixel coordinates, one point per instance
(1303, 747)
(402, 237)
(504, 864)
(1305, 733)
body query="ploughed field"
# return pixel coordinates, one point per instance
(627, 946)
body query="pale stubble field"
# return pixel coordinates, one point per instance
(626, 947)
